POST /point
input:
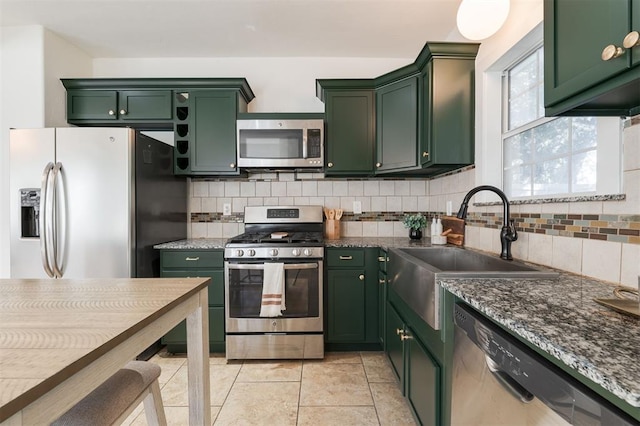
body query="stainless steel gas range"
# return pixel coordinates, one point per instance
(289, 241)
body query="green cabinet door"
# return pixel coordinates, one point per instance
(393, 344)
(447, 114)
(635, 26)
(212, 131)
(92, 105)
(397, 125)
(346, 306)
(423, 378)
(144, 105)
(350, 132)
(577, 33)
(382, 295)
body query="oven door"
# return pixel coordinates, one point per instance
(303, 295)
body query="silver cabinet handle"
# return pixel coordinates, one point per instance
(631, 40)
(192, 259)
(611, 52)
(382, 281)
(378, 164)
(123, 112)
(399, 331)
(425, 154)
(232, 165)
(346, 257)
(329, 164)
(44, 219)
(111, 112)
(380, 258)
(361, 277)
(406, 336)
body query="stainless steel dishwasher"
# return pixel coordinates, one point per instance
(497, 380)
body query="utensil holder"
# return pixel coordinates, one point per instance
(332, 229)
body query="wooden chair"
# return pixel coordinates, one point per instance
(113, 401)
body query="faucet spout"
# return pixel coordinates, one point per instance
(508, 234)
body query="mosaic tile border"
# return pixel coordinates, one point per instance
(575, 199)
(604, 227)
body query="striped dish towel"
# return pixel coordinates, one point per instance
(273, 299)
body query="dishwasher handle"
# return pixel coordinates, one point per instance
(508, 383)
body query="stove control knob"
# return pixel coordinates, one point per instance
(273, 252)
(251, 252)
(295, 252)
(239, 253)
(307, 252)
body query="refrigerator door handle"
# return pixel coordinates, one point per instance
(44, 219)
(56, 221)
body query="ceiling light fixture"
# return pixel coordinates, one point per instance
(480, 19)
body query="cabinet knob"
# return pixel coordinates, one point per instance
(381, 259)
(123, 112)
(425, 154)
(329, 164)
(399, 331)
(611, 52)
(361, 277)
(378, 164)
(232, 165)
(631, 40)
(406, 337)
(112, 112)
(382, 281)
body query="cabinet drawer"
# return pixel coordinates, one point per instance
(345, 258)
(192, 259)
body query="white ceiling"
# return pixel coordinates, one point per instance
(241, 28)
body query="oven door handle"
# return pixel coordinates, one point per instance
(261, 266)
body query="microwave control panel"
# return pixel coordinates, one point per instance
(314, 143)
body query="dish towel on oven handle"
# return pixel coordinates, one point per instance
(273, 289)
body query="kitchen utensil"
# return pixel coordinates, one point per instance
(339, 214)
(332, 214)
(326, 212)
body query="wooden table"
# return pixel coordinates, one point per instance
(60, 339)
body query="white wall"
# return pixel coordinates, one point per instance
(32, 61)
(280, 84)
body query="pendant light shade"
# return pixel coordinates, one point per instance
(480, 19)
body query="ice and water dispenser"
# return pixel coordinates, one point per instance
(30, 212)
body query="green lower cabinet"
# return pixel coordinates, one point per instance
(418, 372)
(422, 382)
(351, 299)
(191, 264)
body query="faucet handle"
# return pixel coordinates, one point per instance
(512, 230)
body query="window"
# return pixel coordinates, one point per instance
(560, 156)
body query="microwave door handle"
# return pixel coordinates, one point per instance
(305, 148)
(261, 266)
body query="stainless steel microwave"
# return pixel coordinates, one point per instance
(280, 143)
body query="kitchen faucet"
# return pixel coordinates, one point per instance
(508, 233)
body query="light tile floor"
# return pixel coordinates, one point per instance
(345, 388)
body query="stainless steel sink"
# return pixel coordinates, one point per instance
(413, 273)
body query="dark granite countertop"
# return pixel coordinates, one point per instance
(193, 244)
(561, 318)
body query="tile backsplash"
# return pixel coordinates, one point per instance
(594, 236)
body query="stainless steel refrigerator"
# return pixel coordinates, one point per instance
(92, 202)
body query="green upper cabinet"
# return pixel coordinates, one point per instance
(397, 125)
(144, 105)
(92, 105)
(588, 70)
(350, 129)
(211, 132)
(448, 113)
(422, 117)
(202, 113)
